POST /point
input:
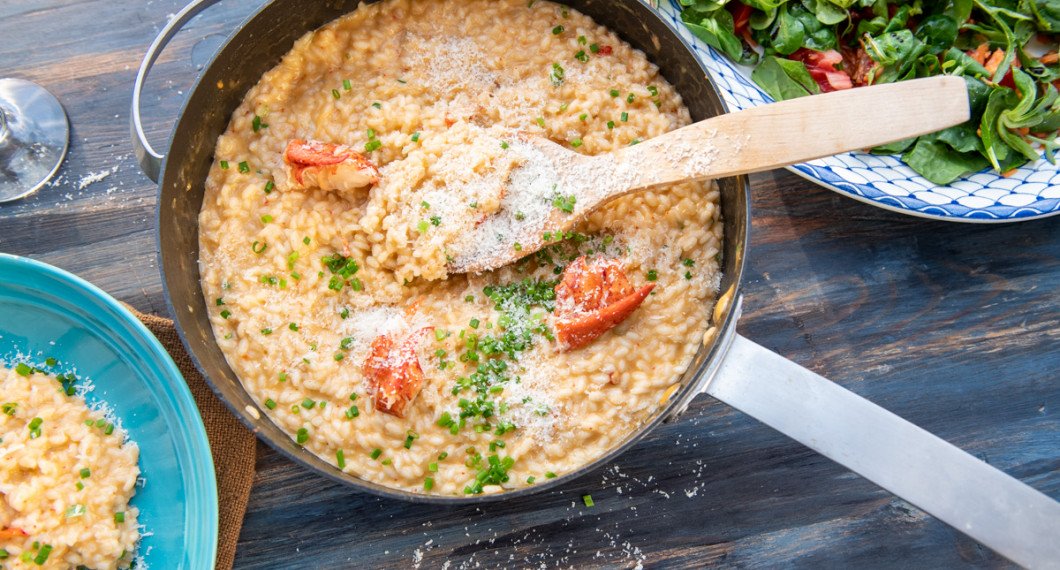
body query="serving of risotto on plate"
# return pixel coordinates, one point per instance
(380, 139)
(67, 474)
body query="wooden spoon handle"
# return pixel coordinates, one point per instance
(797, 130)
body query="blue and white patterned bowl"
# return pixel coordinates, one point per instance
(1031, 192)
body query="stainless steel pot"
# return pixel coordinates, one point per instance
(973, 497)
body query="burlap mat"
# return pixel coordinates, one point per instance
(233, 447)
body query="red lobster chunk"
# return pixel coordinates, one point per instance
(393, 372)
(593, 297)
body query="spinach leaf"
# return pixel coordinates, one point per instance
(783, 78)
(718, 32)
(895, 147)
(938, 31)
(940, 164)
(789, 32)
(826, 12)
(897, 53)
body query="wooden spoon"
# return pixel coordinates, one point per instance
(556, 187)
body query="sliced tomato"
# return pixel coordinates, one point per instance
(741, 17)
(822, 68)
(393, 372)
(593, 297)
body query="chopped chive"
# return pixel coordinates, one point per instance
(615, 93)
(557, 30)
(576, 143)
(258, 247)
(340, 457)
(530, 480)
(34, 428)
(266, 331)
(428, 483)
(377, 105)
(244, 167)
(595, 48)
(372, 145)
(119, 517)
(610, 124)
(353, 397)
(347, 85)
(582, 40)
(624, 116)
(517, 246)
(630, 98)
(432, 467)
(581, 56)
(23, 369)
(282, 377)
(504, 145)
(335, 93)
(653, 275)
(436, 220)
(50, 361)
(305, 240)
(269, 187)
(352, 412)
(588, 500)
(226, 313)
(550, 475)
(469, 299)
(653, 90)
(339, 356)
(443, 455)
(688, 275)
(376, 453)
(474, 323)
(224, 165)
(688, 262)
(266, 219)
(302, 436)
(308, 403)
(270, 403)
(257, 125)
(109, 429)
(85, 473)
(410, 437)
(583, 117)
(293, 326)
(415, 136)
(43, 553)
(540, 122)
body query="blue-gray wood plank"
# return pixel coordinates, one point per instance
(954, 327)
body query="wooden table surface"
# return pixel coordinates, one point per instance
(954, 327)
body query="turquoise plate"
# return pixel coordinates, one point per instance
(47, 312)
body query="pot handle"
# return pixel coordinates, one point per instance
(999, 511)
(150, 160)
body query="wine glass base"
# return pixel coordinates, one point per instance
(34, 137)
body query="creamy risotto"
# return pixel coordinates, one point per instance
(66, 477)
(377, 141)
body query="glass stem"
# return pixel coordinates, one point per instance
(3, 127)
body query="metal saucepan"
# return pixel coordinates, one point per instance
(973, 497)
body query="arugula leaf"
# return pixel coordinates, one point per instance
(784, 79)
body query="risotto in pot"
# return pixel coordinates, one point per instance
(66, 477)
(380, 139)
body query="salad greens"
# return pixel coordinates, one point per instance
(1006, 51)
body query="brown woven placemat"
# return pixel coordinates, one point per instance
(232, 445)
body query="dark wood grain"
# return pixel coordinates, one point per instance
(954, 327)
